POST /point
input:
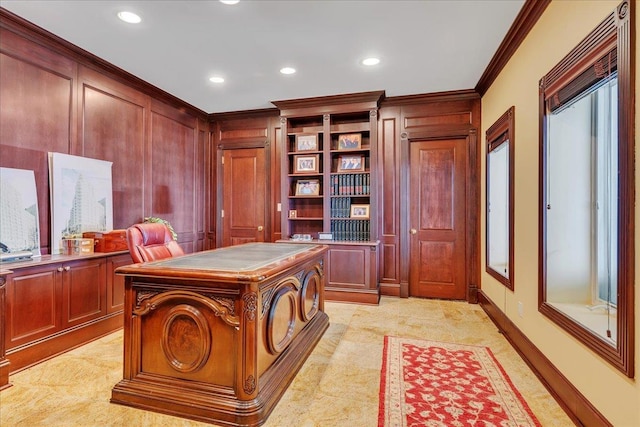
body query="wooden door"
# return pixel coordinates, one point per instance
(437, 219)
(243, 196)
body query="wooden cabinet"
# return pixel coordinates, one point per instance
(59, 302)
(329, 186)
(352, 272)
(4, 362)
(115, 283)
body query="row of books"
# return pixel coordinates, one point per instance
(352, 230)
(350, 184)
(341, 208)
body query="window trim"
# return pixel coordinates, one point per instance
(615, 31)
(502, 130)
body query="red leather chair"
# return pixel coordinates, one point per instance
(151, 242)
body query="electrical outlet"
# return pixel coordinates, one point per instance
(520, 309)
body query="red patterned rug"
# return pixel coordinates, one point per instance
(430, 383)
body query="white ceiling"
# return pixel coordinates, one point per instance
(425, 46)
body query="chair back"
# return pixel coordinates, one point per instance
(151, 242)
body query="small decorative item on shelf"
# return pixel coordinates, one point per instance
(306, 143)
(350, 163)
(302, 237)
(308, 187)
(293, 213)
(305, 164)
(350, 141)
(360, 211)
(325, 236)
(77, 246)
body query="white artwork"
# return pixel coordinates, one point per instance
(81, 197)
(19, 222)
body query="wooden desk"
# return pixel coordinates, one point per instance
(218, 336)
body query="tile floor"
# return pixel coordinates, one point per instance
(337, 386)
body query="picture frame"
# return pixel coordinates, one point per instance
(353, 163)
(308, 163)
(308, 187)
(307, 142)
(293, 213)
(359, 211)
(350, 141)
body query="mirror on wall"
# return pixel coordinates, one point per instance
(499, 203)
(587, 195)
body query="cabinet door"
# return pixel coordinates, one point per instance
(33, 304)
(84, 291)
(352, 273)
(115, 283)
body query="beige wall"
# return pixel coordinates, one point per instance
(563, 25)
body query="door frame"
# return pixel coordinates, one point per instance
(240, 145)
(472, 190)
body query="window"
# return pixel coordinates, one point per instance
(500, 161)
(587, 196)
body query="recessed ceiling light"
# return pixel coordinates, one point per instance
(216, 79)
(287, 70)
(370, 61)
(129, 17)
(229, 1)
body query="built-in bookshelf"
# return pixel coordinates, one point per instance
(329, 161)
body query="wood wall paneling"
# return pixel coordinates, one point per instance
(172, 175)
(275, 132)
(112, 128)
(36, 106)
(389, 200)
(56, 97)
(201, 183)
(36, 110)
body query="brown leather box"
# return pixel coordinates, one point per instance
(108, 241)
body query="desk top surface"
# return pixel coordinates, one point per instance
(244, 258)
(250, 261)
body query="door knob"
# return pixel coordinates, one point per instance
(260, 228)
(414, 231)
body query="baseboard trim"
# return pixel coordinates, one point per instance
(577, 407)
(390, 289)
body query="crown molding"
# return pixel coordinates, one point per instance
(531, 11)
